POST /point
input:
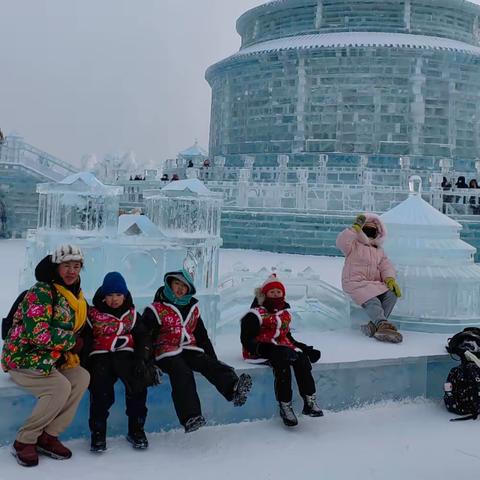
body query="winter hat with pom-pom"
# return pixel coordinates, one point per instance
(272, 282)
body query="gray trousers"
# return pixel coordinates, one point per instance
(58, 397)
(379, 308)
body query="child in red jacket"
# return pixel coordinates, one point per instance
(266, 338)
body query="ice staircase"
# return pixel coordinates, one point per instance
(316, 305)
(15, 153)
(22, 167)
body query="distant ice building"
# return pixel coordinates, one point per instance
(195, 154)
(378, 77)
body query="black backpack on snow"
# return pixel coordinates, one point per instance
(462, 387)
(7, 321)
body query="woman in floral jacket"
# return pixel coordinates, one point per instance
(41, 354)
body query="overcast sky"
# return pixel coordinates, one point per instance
(97, 76)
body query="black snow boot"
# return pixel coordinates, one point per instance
(288, 415)
(98, 442)
(310, 406)
(194, 423)
(136, 434)
(242, 389)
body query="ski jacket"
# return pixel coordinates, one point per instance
(366, 266)
(38, 336)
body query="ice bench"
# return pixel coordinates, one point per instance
(354, 370)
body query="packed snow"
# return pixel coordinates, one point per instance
(391, 441)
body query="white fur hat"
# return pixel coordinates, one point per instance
(67, 253)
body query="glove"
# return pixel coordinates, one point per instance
(77, 348)
(312, 354)
(359, 222)
(153, 375)
(277, 353)
(393, 286)
(144, 374)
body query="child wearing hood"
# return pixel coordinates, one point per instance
(266, 338)
(114, 325)
(368, 276)
(181, 346)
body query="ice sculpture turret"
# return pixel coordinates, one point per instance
(436, 270)
(80, 202)
(81, 210)
(187, 212)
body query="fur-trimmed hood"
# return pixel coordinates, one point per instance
(374, 219)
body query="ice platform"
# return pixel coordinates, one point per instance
(354, 370)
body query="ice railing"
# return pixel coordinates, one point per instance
(14, 150)
(315, 304)
(362, 185)
(329, 168)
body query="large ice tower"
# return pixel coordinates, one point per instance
(375, 77)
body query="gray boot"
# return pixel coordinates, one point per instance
(288, 415)
(310, 406)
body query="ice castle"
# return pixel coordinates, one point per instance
(378, 77)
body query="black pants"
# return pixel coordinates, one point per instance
(180, 369)
(105, 370)
(282, 373)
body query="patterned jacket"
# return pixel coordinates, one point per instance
(175, 334)
(38, 338)
(274, 328)
(111, 334)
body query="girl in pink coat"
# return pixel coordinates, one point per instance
(368, 275)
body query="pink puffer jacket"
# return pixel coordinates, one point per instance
(366, 265)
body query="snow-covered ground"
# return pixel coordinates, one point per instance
(391, 441)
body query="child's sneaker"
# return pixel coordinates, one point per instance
(288, 415)
(194, 423)
(242, 389)
(98, 441)
(310, 406)
(25, 453)
(387, 332)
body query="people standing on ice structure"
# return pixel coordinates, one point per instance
(41, 354)
(266, 338)
(115, 352)
(181, 346)
(368, 276)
